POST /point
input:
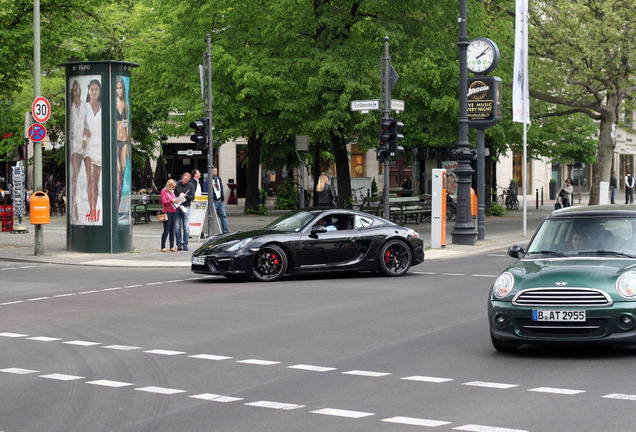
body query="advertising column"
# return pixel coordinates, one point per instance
(98, 167)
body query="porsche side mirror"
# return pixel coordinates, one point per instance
(318, 229)
(516, 251)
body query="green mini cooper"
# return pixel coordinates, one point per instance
(575, 283)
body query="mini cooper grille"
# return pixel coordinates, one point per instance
(590, 328)
(562, 297)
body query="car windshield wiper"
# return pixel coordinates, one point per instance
(608, 253)
(547, 252)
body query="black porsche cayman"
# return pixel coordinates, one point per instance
(300, 242)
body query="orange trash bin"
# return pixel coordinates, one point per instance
(40, 209)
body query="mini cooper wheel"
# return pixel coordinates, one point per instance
(270, 264)
(395, 258)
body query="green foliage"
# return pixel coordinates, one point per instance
(496, 210)
(374, 187)
(286, 196)
(261, 209)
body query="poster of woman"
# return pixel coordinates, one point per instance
(85, 139)
(122, 128)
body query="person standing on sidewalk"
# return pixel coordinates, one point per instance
(195, 180)
(168, 202)
(219, 197)
(629, 188)
(182, 216)
(567, 190)
(613, 186)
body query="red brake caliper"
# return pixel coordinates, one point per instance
(387, 255)
(275, 259)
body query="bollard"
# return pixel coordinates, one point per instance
(537, 199)
(541, 196)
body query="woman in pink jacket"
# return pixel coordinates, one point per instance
(168, 201)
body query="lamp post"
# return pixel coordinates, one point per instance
(464, 232)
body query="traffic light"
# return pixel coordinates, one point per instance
(383, 150)
(394, 137)
(200, 134)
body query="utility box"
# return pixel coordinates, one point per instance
(40, 208)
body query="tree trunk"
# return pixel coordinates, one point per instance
(342, 167)
(602, 169)
(252, 199)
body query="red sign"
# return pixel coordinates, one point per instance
(41, 109)
(37, 132)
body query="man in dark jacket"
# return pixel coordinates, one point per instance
(182, 215)
(219, 197)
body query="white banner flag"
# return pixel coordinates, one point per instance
(520, 96)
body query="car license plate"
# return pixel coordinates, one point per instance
(198, 260)
(558, 315)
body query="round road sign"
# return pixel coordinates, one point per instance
(37, 132)
(41, 109)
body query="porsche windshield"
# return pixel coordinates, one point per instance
(292, 222)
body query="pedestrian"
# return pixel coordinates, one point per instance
(219, 197)
(196, 181)
(629, 188)
(184, 189)
(168, 201)
(613, 186)
(566, 192)
(326, 195)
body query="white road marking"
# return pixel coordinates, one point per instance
(490, 385)
(44, 339)
(173, 281)
(63, 295)
(81, 343)
(427, 379)
(259, 362)
(312, 368)
(415, 421)
(620, 396)
(89, 292)
(109, 383)
(366, 373)
(61, 377)
(423, 273)
(216, 398)
(556, 390)
(483, 275)
(18, 371)
(210, 357)
(37, 299)
(13, 335)
(121, 347)
(160, 390)
(112, 289)
(154, 283)
(12, 303)
(478, 428)
(275, 405)
(342, 413)
(164, 352)
(133, 286)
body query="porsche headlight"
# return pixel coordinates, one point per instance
(503, 285)
(239, 245)
(413, 233)
(626, 285)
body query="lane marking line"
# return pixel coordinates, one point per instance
(620, 396)
(210, 357)
(12, 303)
(490, 385)
(366, 373)
(342, 413)
(37, 299)
(121, 347)
(160, 390)
(61, 377)
(311, 368)
(216, 398)
(18, 371)
(275, 405)
(44, 339)
(556, 390)
(259, 362)
(165, 352)
(13, 335)
(427, 379)
(416, 421)
(81, 343)
(109, 383)
(479, 428)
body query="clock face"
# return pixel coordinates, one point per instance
(482, 55)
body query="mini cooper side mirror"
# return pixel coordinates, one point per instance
(516, 251)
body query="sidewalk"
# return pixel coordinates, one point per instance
(500, 233)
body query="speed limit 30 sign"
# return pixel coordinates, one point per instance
(41, 109)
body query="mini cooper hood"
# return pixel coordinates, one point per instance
(580, 272)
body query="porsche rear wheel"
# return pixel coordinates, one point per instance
(395, 258)
(270, 264)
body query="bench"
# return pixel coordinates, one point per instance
(372, 205)
(405, 207)
(143, 206)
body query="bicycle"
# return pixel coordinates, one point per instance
(508, 198)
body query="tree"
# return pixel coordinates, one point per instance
(583, 58)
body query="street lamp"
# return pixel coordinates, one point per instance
(464, 232)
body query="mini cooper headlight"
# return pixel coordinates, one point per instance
(240, 245)
(626, 285)
(503, 285)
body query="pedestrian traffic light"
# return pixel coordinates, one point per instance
(394, 137)
(199, 136)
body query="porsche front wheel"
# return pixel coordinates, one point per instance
(270, 264)
(395, 258)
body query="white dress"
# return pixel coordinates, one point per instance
(78, 119)
(94, 144)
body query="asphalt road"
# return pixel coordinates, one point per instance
(102, 349)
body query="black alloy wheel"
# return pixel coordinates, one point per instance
(395, 258)
(270, 264)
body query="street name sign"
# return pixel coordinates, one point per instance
(397, 105)
(365, 105)
(189, 152)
